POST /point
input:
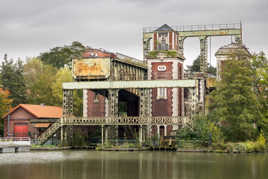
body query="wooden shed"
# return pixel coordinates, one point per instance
(27, 120)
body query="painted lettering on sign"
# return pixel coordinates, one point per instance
(161, 68)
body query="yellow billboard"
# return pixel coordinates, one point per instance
(92, 68)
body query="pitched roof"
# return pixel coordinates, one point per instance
(39, 111)
(230, 49)
(97, 53)
(164, 27)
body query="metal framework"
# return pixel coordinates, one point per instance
(144, 118)
(202, 32)
(128, 120)
(113, 121)
(148, 84)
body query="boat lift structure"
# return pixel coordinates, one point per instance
(120, 72)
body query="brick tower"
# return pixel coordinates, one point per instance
(164, 62)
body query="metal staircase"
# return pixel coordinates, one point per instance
(49, 132)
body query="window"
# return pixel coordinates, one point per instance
(163, 39)
(161, 93)
(96, 99)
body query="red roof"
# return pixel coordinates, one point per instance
(96, 53)
(39, 111)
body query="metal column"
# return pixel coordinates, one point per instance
(203, 68)
(102, 137)
(67, 111)
(203, 54)
(140, 134)
(144, 107)
(113, 107)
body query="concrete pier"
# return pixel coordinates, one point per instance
(7, 149)
(15, 144)
(13, 149)
(23, 149)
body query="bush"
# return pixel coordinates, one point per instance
(249, 146)
(261, 142)
(203, 130)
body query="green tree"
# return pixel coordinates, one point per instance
(260, 69)
(60, 56)
(39, 77)
(12, 80)
(234, 103)
(195, 67)
(5, 105)
(65, 75)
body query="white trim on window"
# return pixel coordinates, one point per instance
(161, 93)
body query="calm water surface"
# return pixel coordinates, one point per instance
(132, 165)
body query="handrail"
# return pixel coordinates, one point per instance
(129, 120)
(3, 139)
(184, 28)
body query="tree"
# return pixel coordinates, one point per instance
(5, 105)
(260, 69)
(39, 77)
(65, 75)
(60, 56)
(234, 103)
(195, 67)
(12, 80)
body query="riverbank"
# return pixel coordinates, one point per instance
(49, 148)
(195, 150)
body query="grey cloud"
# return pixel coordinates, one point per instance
(29, 27)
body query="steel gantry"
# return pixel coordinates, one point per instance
(200, 31)
(144, 120)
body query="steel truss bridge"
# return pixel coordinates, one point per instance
(114, 121)
(144, 88)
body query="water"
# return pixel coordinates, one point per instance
(132, 165)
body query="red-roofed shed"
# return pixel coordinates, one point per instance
(30, 120)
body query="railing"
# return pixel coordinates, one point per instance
(198, 27)
(49, 132)
(8, 141)
(86, 121)
(164, 120)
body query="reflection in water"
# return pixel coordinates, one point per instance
(136, 165)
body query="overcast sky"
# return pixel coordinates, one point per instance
(29, 27)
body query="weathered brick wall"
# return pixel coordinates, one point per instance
(180, 94)
(95, 108)
(20, 116)
(162, 107)
(170, 40)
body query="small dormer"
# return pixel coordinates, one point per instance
(163, 43)
(164, 38)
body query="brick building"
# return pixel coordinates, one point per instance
(27, 120)
(162, 62)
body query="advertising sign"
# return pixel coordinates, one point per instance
(92, 68)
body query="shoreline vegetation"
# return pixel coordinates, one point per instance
(239, 147)
(199, 150)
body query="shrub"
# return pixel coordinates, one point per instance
(250, 146)
(202, 130)
(260, 143)
(216, 134)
